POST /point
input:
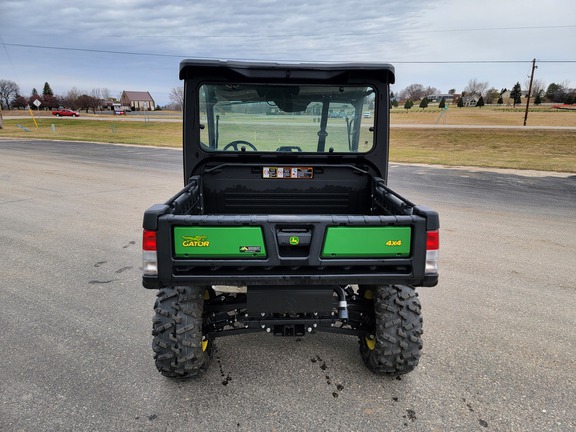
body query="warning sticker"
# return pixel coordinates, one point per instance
(250, 249)
(288, 172)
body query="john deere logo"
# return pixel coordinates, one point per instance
(195, 241)
(294, 240)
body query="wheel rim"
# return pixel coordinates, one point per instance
(370, 343)
(370, 340)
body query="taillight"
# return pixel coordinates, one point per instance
(432, 240)
(149, 255)
(149, 240)
(432, 251)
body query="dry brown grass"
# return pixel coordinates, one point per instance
(548, 150)
(117, 130)
(485, 116)
(545, 150)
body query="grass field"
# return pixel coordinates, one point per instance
(485, 116)
(544, 150)
(537, 149)
(112, 131)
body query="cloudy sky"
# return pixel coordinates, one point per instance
(138, 44)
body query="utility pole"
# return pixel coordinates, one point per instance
(529, 91)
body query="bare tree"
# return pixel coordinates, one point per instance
(176, 96)
(96, 93)
(105, 93)
(71, 98)
(413, 92)
(429, 91)
(100, 95)
(538, 86)
(476, 88)
(8, 91)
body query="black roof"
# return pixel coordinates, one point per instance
(286, 71)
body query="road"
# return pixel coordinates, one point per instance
(499, 342)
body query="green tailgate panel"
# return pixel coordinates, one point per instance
(219, 242)
(366, 242)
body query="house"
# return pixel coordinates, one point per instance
(448, 97)
(110, 105)
(137, 100)
(470, 101)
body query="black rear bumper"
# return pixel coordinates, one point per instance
(282, 268)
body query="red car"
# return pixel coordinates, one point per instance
(65, 112)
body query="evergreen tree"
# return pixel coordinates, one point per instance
(393, 101)
(424, 103)
(500, 100)
(442, 103)
(47, 90)
(538, 98)
(460, 102)
(480, 102)
(516, 93)
(408, 104)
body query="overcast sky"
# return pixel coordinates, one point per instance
(138, 44)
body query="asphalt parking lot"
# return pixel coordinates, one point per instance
(499, 346)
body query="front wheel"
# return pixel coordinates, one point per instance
(180, 348)
(393, 344)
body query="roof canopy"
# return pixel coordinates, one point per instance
(286, 72)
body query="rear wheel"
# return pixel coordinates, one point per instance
(393, 345)
(180, 348)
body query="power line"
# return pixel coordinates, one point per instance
(478, 61)
(101, 51)
(484, 29)
(89, 50)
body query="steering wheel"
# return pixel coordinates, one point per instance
(289, 148)
(235, 146)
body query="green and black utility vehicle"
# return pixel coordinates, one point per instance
(286, 224)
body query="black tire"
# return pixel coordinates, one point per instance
(394, 344)
(180, 349)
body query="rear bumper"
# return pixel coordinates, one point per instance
(281, 266)
(292, 279)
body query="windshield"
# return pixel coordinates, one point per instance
(282, 118)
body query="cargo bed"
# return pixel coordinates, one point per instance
(238, 226)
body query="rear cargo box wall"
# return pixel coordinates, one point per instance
(243, 190)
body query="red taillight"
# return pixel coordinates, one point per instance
(432, 240)
(432, 251)
(149, 240)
